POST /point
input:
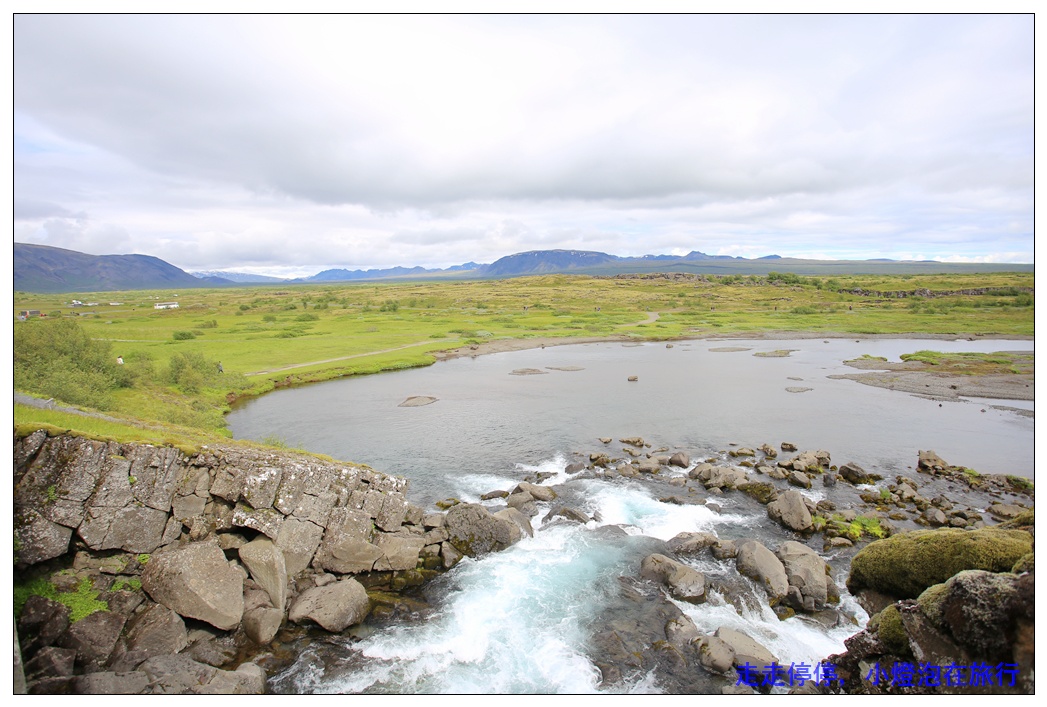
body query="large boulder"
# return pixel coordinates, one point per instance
(181, 675)
(37, 538)
(982, 611)
(904, 565)
(334, 606)
(791, 511)
(399, 550)
(265, 561)
(856, 475)
(475, 532)
(538, 493)
(94, 638)
(157, 631)
(746, 649)
(692, 542)
(684, 583)
(195, 580)
(757, 562)
(718, 476)
(806, 571)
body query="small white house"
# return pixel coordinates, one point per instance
(165, 305)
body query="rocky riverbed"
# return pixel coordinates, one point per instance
(211, 572)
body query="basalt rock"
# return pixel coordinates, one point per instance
(475, 532)
(221, 535)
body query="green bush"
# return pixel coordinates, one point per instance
(191, 371)
(804, 309)
(183, 335)
(57, 359)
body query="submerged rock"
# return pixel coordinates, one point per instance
(416, 401)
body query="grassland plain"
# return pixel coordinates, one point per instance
(272, 336)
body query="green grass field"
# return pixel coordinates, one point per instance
(270, 336)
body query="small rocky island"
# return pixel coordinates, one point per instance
(154, 570)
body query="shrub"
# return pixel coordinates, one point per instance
(183, 335)
(804, 309)
(191, 371)
(57, 359)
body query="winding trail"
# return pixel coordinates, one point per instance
(343, 358)
(649, 319)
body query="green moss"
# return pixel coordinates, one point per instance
(132, 584)
(762, 491)
(930, 602)
(143, 559)
(905, 564)
(1020, 483)
(82, 602)
(1027, 563)
(1024, 519)
(891, 632)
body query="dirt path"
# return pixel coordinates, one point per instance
(342, 358)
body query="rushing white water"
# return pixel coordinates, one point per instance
(520, 621)
(517, 621)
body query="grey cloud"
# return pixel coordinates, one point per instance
(170, 126)
(32, 210)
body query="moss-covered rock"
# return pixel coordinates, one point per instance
(1025, 519)
(1025, 564)
(906, 564)
(760, 490)
(891, 632)
(930, 603)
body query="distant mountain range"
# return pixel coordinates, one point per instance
(40, 268)
(235, 276)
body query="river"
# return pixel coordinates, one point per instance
(519, 621)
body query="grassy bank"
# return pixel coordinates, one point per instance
(267, 337)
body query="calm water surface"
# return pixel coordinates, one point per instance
(486, 421)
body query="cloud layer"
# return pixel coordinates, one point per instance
(290, 144)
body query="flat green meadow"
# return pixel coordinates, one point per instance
(270, 336)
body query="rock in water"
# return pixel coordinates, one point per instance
(473, 531)
(684, 583)
(416, 401)
(759, 563)
(334, 606)
(791, 511)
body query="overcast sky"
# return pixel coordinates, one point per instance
(286, 145)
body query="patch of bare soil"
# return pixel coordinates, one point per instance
(948, 383)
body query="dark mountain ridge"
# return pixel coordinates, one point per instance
(41, 268)
(47, 269)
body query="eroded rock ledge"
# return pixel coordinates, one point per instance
(198, 557)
